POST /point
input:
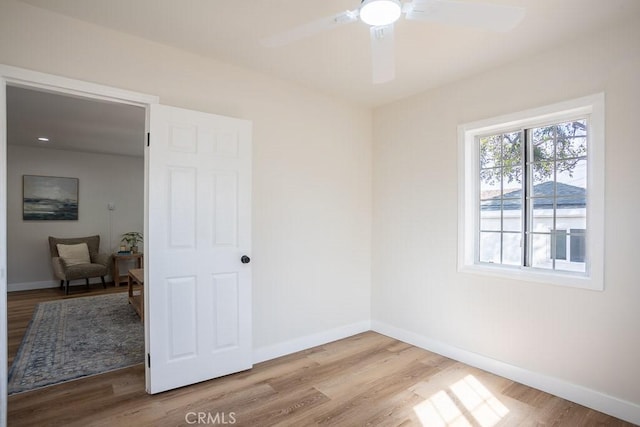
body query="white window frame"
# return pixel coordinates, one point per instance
(468, 192)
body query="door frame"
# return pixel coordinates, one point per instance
(29, 79)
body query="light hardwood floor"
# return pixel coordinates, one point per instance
(367, 379)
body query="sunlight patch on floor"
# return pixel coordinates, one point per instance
(479, 406)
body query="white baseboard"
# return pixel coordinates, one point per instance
(46, 284)
(298, 344)
(602, 402)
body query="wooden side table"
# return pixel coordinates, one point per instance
(120, 278)
(136, 275)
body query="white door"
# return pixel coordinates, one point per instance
(197, 275)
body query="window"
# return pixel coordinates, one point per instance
(532, 194)
(532, 182)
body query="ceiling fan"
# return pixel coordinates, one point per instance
(380, 15)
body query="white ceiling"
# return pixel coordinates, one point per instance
(71, 123)
(338, 62)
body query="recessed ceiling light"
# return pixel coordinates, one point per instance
(43, 139)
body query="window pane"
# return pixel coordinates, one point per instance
(544, 189)
(491, 205)
(542, 181)
(575, 202)
(542, 134)
(540, 251)
(512, 204)
(490, 247)
(490, 220)
(511, 250)
(571, 177)
(542, 218)
(543, 150)
(512, 181)
(511, 149)
(490, 183)
(490, 151)
(571, 212)
(501, 177)
(571, 147)
(572, 128)
(512, 218)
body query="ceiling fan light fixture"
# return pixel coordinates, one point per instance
(380, 12)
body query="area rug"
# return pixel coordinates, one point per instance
(77, 337)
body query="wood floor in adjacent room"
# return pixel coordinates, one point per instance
(367, 379)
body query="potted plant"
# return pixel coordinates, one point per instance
(132, 238)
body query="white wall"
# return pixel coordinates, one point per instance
(102, 179)
(586, 338)
(311, 257)
(311, 163)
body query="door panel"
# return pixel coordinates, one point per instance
(182, 207)
(182, 318)
(198, 291)
(225, 227)
(226, 303)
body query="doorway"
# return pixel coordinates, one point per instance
(98, 146)
(27, 79)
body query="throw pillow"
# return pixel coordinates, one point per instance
(74, 254)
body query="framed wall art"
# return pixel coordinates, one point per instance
(49, 198)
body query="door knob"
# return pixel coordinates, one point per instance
(245, 259)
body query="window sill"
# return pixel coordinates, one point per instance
(535, 275)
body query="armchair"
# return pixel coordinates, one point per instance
(96, 265)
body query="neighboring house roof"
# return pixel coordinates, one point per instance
(568, 197)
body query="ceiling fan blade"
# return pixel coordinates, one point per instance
(486, 16)
(382, 54)
(311, 28)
